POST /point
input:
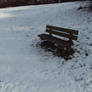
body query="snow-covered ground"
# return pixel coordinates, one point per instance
(24, 67)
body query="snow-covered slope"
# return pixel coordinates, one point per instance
(24, 67)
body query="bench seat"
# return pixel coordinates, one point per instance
(56, 41)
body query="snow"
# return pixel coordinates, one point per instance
(24, 67)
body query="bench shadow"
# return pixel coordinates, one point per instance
(63, 52)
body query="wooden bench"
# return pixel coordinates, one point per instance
(61, 37)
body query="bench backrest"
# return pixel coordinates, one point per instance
(63, 32)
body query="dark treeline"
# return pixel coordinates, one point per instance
(11, 3)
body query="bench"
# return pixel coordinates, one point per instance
(61, 37)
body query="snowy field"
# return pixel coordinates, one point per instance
(27, 68)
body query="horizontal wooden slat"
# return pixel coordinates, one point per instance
(75, 32)
(62, 34)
